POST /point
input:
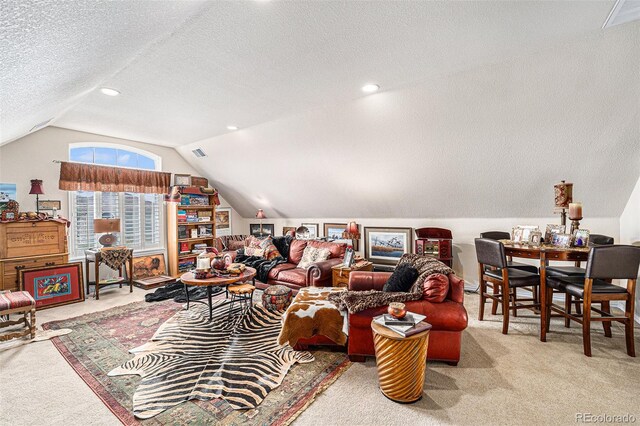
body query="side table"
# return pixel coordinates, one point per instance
(340, 274)
(401, 363)
(95, 255)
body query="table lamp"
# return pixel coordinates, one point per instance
(36, 188)
(563, 196)
(352, 233)
(260, 215)
(106, 226)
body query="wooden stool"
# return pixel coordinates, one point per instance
(243, 294)
(19, 302)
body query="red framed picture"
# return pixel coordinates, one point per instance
(54, 285)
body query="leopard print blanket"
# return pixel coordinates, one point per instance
(356, 301)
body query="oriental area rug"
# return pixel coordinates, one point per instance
(227, 372)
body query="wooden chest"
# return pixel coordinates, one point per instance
(341, 274)
(25, 245)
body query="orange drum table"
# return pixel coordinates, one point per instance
(221, 281)
(401, 362)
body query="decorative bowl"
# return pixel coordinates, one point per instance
(218, 263)
(397, 310)
(201, 274)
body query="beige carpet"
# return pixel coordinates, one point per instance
(514, 379)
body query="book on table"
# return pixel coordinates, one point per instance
(415, 324)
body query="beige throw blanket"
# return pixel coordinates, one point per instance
(311, 314)
(356, 301)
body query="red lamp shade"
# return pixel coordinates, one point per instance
(352, 228)
(260, 214)
(36, 187)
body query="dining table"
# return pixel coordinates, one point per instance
(545, 253)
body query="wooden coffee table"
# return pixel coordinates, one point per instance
(401, 362)
(189, 279)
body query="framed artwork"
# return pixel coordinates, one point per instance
(267, 229)
(147, 266)
(581, 238)
(7, 192)
(223, 221)
(287, 229)
(553, 229)
(522, 233)
(561, 240)
(8, 215)
(385, 246)
(313, 230)
(199, 181)
(54, 285)
(181, 180)
(334, 231)
(49, 205)
(348, 257)
(536, 238)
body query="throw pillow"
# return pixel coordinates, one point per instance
(312, 255)
(234, 245)
(402, 279)
(435, 288)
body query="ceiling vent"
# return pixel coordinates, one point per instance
(623, 11)
(40, 125)
(199, 153)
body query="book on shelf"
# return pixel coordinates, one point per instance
(199, 200)
(182, 232)
(184, 248)
(182, 215)
(406, 330)
(194, 233)
(205, 230)
(185, 200)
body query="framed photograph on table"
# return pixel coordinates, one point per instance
(561, 240)
(349, 255)
(581, 238)
(54, 285)
(313, 230)
(551, 230)
(223, 221)
(385, 246)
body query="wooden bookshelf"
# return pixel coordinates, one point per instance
(173, 225)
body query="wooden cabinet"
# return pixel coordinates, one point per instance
(341, 274)
(183, 232)
(25, 245)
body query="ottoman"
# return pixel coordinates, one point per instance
(18, 302)
(277, 297)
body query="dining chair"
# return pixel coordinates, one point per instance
(503, 281)
(502, 235)
(605, 263)
(577, 271)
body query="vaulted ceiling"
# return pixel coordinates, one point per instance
(483, 104)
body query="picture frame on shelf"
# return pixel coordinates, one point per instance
(49, 205)
(181, 180)
(55, 285)
(561, 240)
(551, 230)
(8, 215)
(268, 229)
(522, 233)
(581, 238)
(223, 221)
(386, 245)
(313, 228)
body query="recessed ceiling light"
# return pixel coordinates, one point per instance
(232, 127)
(370, 88)
(109, 92)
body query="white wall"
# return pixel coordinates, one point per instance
(464, 231)
(31, 157)
(630, 230)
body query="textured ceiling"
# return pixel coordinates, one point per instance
(486, 142)
(484, 105)
(245, 63)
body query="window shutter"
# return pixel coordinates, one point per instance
(83, 206)
(131, 224)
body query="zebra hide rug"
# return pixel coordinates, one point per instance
(189, 357)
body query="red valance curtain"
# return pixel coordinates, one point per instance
(89, 177)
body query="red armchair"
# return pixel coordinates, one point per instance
(448, 319)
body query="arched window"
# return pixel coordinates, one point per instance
(140, 214)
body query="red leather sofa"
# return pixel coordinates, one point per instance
(448, 318)
(317, 275)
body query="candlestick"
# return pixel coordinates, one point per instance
(575, 225)
(575, 211)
